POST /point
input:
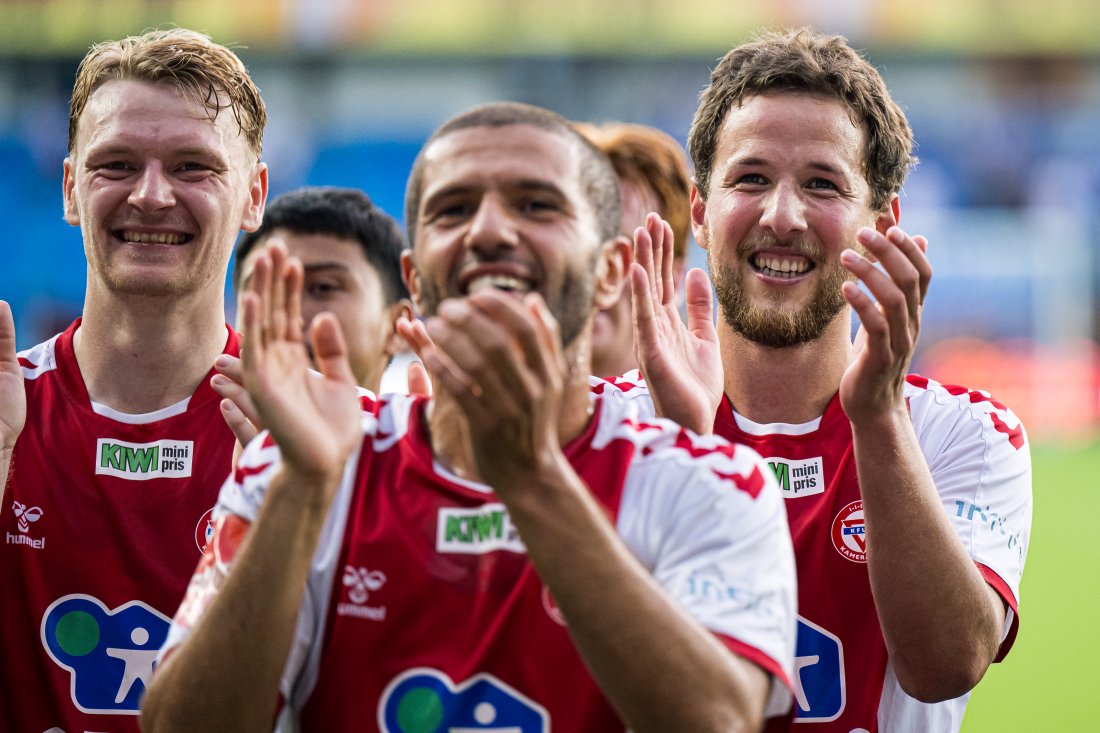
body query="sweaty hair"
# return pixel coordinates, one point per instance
(344, 213)
(189, 61)
(804, 62)
(598, 180)
(652, 160)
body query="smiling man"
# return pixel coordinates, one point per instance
(110, 435)
(909, 501)
(513, 553)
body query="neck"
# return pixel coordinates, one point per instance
(139, 354)
(785, 385)
(450, 431)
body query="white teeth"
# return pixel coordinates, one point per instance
(782, 265)
(153, 238)
(500, 282)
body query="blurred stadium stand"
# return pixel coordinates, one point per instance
(1008, 190)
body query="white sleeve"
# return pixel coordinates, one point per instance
(713, 531)
(977, 453)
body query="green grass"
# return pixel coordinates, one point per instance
(1048, 682)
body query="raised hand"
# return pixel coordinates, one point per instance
(890, 324)
(681, 363)
(314, 419)
(501, 360)
(13, 399)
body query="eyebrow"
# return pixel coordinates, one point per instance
(523, 184)
(813, 165)
(320, 266)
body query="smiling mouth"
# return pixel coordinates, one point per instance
(152, 237)
(505, 283)
(780, 266)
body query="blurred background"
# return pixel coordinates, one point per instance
(1003, 96)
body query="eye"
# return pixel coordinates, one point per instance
(113, 168)
(538, 206)
(752, 179)
(322, 289)
(822, 184)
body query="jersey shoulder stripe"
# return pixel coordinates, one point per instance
(996, 419)
(40, 359)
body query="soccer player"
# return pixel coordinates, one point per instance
(351, 256)
(512, 554)
(653, 176)
(909, 501)
(111, 431)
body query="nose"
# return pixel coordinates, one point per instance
(784, 211)
(492, 227)
(153, 189)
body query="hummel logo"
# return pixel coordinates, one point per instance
(361, 581)
(25, 515)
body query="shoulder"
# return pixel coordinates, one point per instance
(630, 388)
(39, 360)
(944, 413)
(666, 454)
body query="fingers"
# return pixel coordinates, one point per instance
(494, 353)
(234, 391)
(330, 352)
(415, 335)
(7, 335)
(900, 285)
(419, 381)
(700, 305)
(244, 430)
(668, 281)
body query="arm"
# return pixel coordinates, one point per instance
(13, 397)
(660, 669)
(681, 363)
(942, 623)
(233, 660)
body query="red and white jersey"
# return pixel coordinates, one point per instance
(422, 600)
(977, 454)
(104, 517)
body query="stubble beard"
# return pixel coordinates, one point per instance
(571, 306)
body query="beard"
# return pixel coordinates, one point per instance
(571, 305)
(771, 324)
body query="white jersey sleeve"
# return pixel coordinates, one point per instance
(977, 453)
(706, 518)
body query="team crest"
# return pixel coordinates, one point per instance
(204, 530)
(849, 533)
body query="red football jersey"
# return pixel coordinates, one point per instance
(104, 517)
(976, 451)
(423, 612)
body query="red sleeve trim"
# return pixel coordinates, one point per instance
(757, 657)
(998, 584)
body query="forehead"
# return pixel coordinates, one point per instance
(799, 129)
(140, 113)
(320, 248)
(491, 157)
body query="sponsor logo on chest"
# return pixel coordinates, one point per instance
(109, 653)
(799, 477)
(476, 531)
(144, 461)
(25, 517)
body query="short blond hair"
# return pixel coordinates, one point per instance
(185, 59)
